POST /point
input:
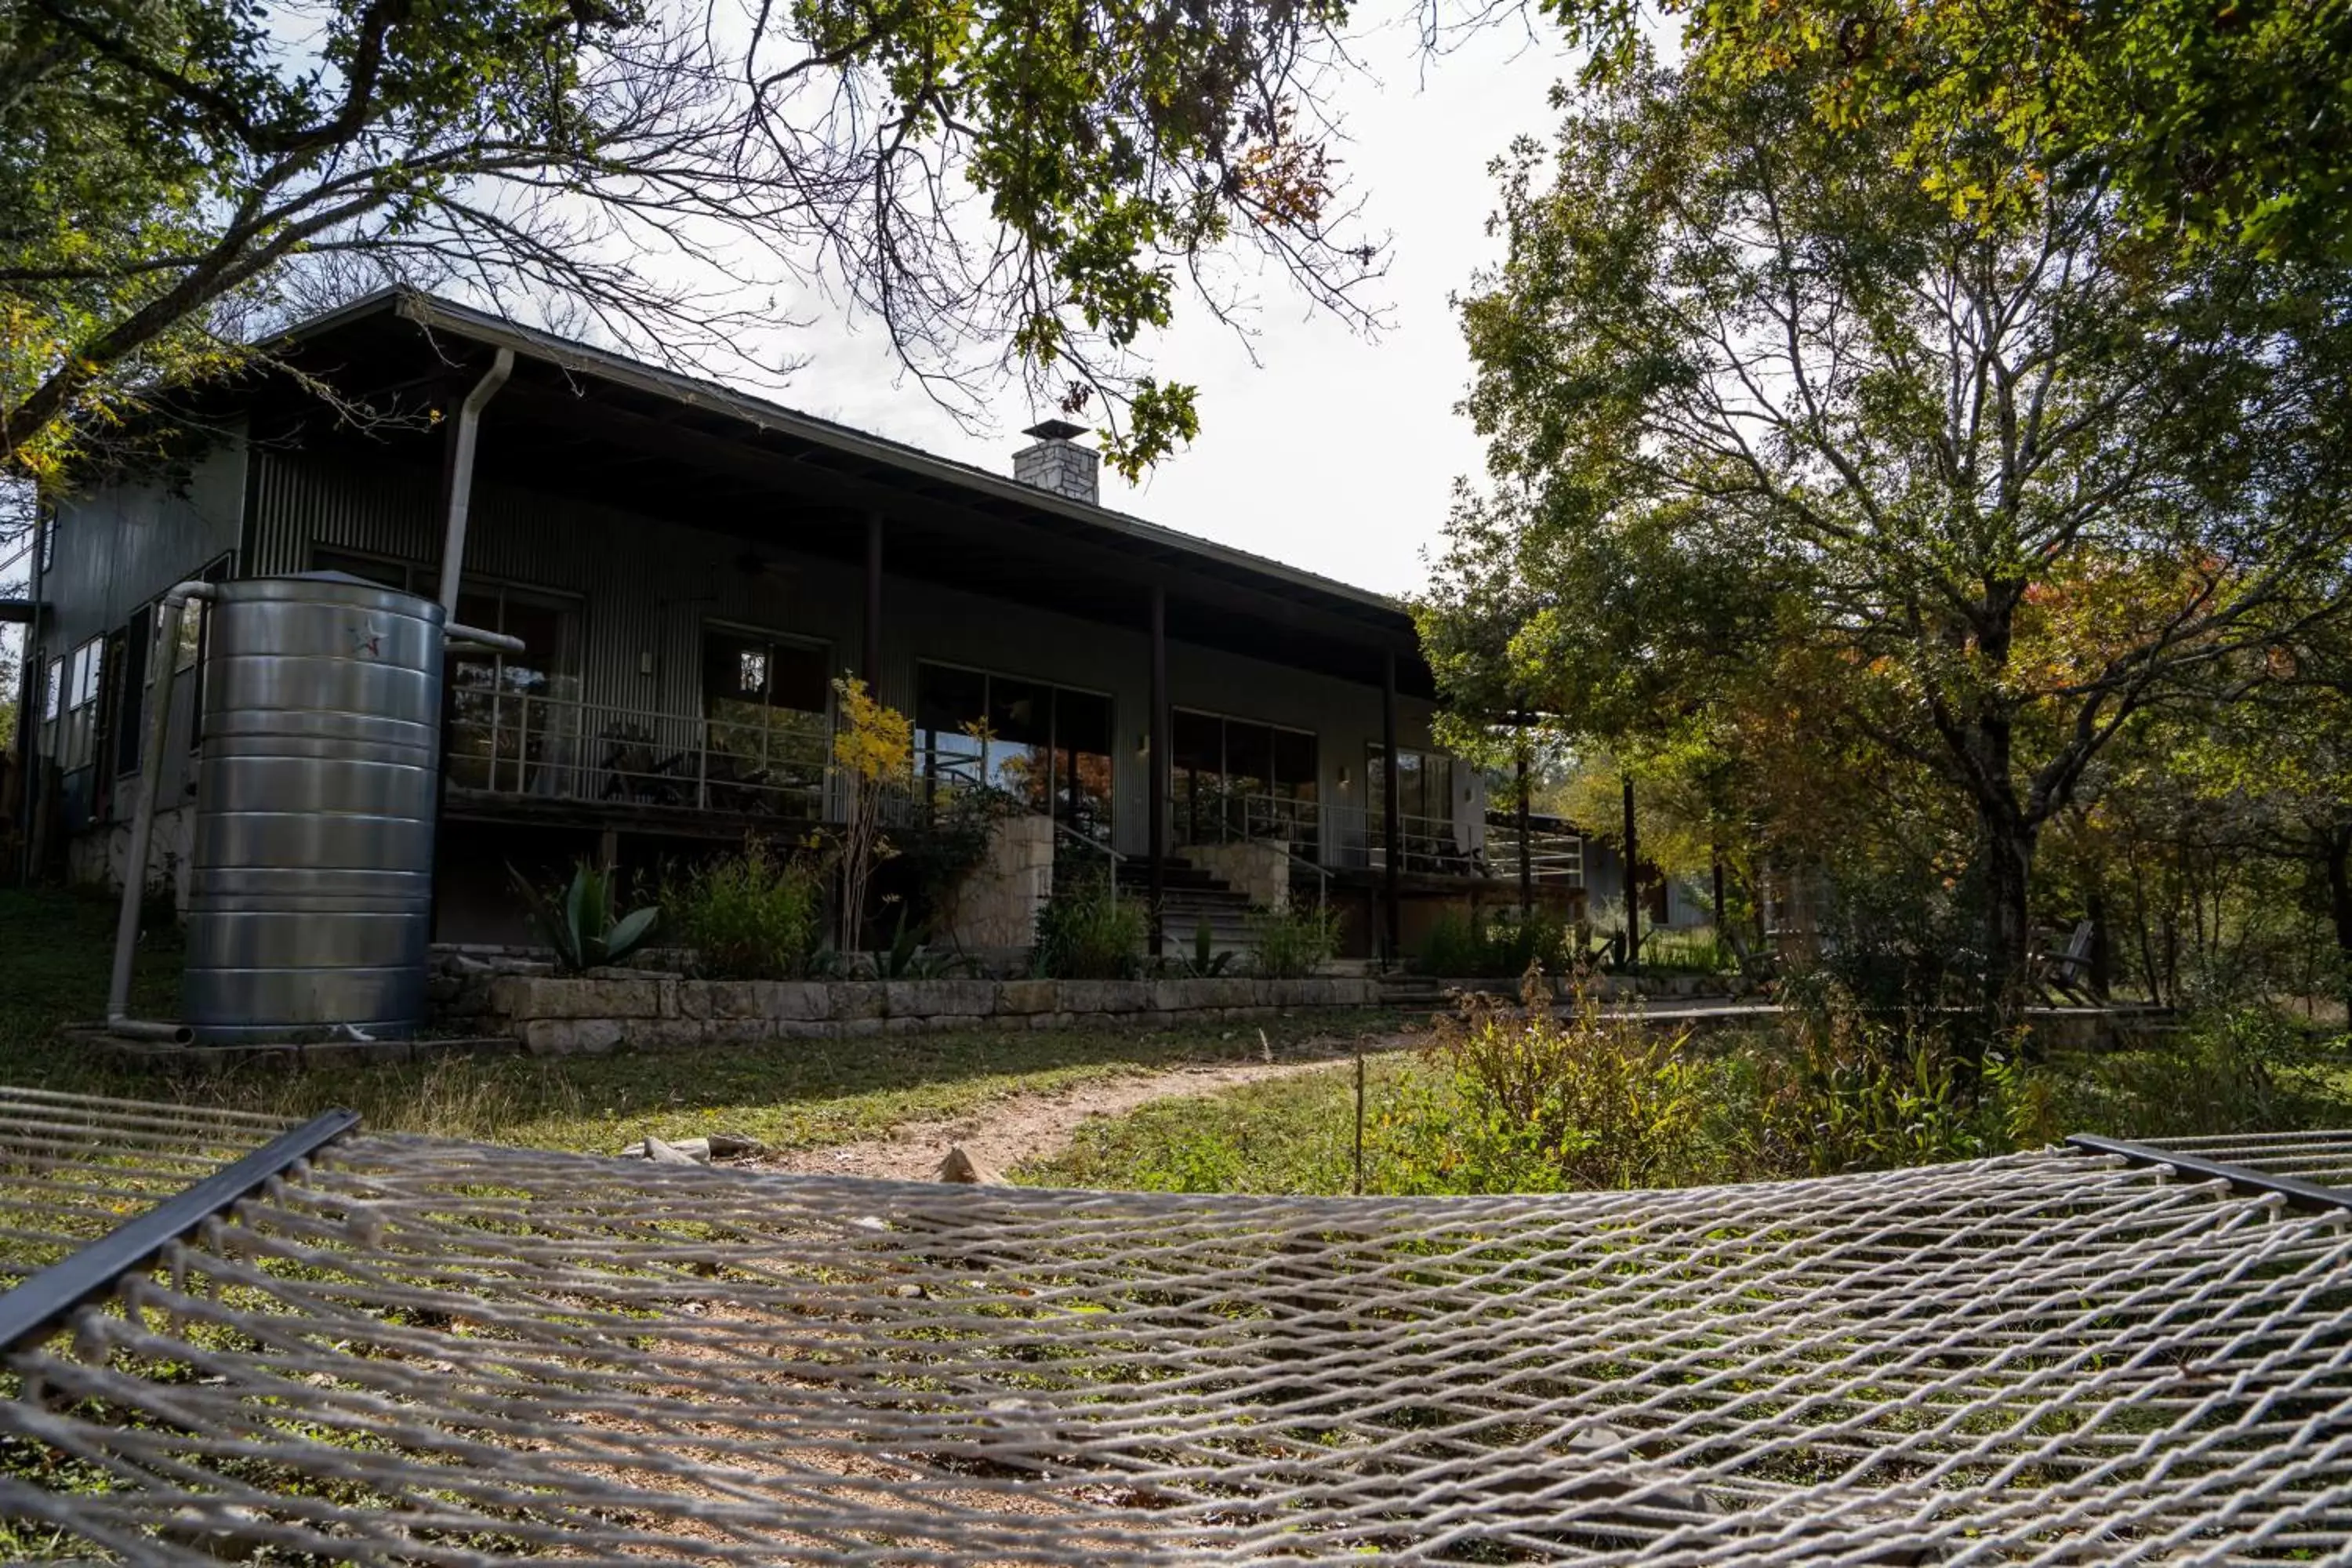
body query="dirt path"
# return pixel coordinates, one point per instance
(1031, 1126)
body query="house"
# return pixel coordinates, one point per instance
(689, 568)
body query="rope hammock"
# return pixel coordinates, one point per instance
(408, 1351)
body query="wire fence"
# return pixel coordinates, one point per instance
(419, 1351)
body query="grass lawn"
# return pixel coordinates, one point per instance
(54, 953)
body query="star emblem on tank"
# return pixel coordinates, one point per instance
(367, 641)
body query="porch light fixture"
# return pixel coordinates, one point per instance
(1143, 744)
(1344, 780)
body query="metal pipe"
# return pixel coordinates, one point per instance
(475, 636)
(164, 658)
(461, 474)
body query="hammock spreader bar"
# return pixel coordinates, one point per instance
(2245, 1178)
(42, 1301)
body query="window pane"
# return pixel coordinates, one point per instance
(1082, 734)
(796, 678)
(1020, 726)
(950, 704)
(1249, 757)
(734, 667)
(1295, 769)
(1082, 721)
(53, 690)
(1200, 742)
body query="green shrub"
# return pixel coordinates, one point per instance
(1496, 946)
(1293, 943)
(1545, 1101)
(583, 922)
(2248, 1069)
(1083, 932)
(753, 915)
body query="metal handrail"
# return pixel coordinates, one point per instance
(1063, 830)
(1322, 878)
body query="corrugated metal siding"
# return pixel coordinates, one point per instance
(648, 587)
(122, 543)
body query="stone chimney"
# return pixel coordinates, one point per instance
(1057, 462)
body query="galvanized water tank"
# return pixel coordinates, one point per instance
(310, 873)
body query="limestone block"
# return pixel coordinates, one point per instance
(525, 997)
(1026, 995)
(859, 1000)
(1155, 1018)
(851, 1028)
(666, 1034)
(694, 998)
(739, 1031)
(570, 1037)
(936, 998)
(796, 1000)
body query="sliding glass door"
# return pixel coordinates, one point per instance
(1048, 746)
(1237, 778)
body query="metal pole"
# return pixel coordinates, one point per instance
(871, 664)
(1632, 887)
(1527, 867)
(168, 609)
(1159, 745)
(1391, 808)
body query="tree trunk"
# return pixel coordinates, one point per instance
(2340, 903)
(2008, 848)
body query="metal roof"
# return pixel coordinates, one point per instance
(436, 314)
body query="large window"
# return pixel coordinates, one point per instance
(514, 718)
(1048, 745)
(75, 736)
(767, 703)
(1424, 785)
(1237, 778)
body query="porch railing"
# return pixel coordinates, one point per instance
(1231, 816)
(1555, 853)
(524, 746)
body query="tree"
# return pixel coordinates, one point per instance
(2220, 123)
(1766, 416)
(1023, 179)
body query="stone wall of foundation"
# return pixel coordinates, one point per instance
(556, 1015)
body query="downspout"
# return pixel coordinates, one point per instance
(162, 659)
(461, 474)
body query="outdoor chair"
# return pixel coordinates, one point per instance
(632, 773)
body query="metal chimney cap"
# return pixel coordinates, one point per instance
(1055, 430)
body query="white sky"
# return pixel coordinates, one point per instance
(1333, 453)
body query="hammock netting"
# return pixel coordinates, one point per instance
(411, 1351)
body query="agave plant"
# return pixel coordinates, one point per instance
(582, 923)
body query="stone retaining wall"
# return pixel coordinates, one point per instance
(557, 1015)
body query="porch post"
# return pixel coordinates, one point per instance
(1526, 868)
(1632, 887)
(1159, 745)
(1391, 808)
(871, 665)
